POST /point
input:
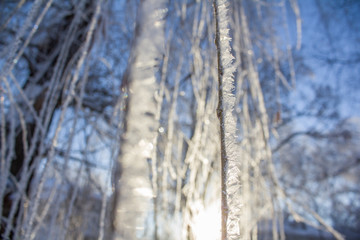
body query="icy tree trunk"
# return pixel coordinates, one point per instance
(133, 193)
(226, 103)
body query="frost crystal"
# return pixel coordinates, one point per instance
(228, 121)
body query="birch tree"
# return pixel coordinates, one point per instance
(133, 192)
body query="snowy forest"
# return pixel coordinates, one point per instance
(180, 119)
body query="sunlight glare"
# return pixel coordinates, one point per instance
(207, 223)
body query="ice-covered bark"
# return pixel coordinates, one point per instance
(225, 112)
(133, 192)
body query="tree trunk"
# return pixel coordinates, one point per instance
(133, 193)
(226, 103)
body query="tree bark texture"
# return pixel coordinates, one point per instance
(133, 194)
